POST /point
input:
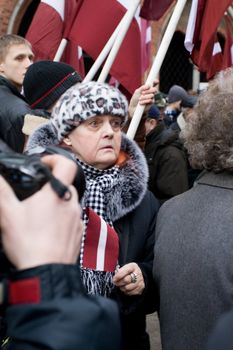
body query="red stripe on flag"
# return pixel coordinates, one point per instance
(154, 9)
(45, 32)
(112, 246)
(92, 29)
(91, 240)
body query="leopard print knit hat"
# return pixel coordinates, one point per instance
(86, 100)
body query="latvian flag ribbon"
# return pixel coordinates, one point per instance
(101, 246)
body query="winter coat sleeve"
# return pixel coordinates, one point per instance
(139, 226)
(222, 335)
(64, 317)
(172, 174)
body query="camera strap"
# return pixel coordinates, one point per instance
(62, 190)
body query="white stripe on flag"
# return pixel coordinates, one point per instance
(101, 246)
(59, 6)
(231, 54)
(216, 49)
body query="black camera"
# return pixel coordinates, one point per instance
(27, 174)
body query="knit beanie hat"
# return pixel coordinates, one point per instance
(77, 104)
(46, 81)
(84, 101)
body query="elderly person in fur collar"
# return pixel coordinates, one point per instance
(119, 213)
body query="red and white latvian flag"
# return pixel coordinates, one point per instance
(51, 23)
(200, 39)
(93, 26)
(216, 61)
(101, 248)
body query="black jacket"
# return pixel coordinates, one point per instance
(13, 108)
(136, 232)
(12, 112)
(167, 163)
(133, 211)
(65, 318)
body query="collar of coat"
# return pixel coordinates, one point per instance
(131, 186)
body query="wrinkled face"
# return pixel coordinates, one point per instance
(15, 64)
(97, 141)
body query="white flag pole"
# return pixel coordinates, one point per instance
(153, 74)
(115, 48)
(60, 50)
(100, 59)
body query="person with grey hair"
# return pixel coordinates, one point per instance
(194, 243)
(119, 213)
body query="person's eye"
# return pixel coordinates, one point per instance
(116, 124)
(93, 123)
(20, 58)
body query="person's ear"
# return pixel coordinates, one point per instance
(153, 122)
(67, 141)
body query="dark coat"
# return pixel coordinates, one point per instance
(167, 163)
(12, 112)
(193, 261)
(221, 337)
(136, 231)
(65, 318)
(133, 211)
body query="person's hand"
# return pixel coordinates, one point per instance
(144, 95)
(43, 228)
(129, 279)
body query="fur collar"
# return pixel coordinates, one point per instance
(132, 182)
(131, 187)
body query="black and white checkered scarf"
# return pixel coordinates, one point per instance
(98, 182)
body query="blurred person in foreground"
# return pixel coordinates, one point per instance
(44, 301)
(194, 242)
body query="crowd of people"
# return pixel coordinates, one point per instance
(152, 230)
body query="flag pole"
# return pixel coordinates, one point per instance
(115, 48)
(153, 74)
(60, 50)
(100, 59)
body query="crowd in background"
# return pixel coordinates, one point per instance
(152, 229)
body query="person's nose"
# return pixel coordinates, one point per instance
(28, 62)
(107, 129)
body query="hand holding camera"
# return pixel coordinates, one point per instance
(41, 228)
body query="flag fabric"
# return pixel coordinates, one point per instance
(54, 18)
(145, 44)
(200, 39)
(92, 29)
(101, 248)
(154, 9)
(216, 60)
(228, 47)
(146, 32)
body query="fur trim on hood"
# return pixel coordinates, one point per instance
(132, 183)
(131, 186)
